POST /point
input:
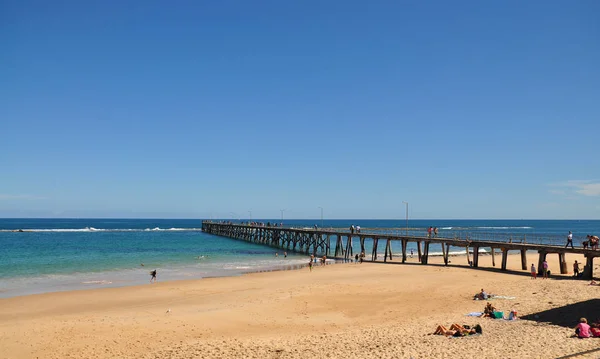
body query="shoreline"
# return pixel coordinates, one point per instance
(96, 281)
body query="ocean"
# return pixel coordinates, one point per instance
(71, 254)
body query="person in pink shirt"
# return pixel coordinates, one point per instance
(583, 329)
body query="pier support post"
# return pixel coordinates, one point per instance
(404, 250)
(468, 257)
(563, 263)
(374, 254)
(504, 258)
(419, 249)
(444, 252)
(541, 261)
(447, 254)
(388, 249)
(523, 259)
(348, 247)
(362, 245)
(475, 256)
(425, 252)
(589, 268)
(493, 256)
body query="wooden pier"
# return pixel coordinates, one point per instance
(318, 242)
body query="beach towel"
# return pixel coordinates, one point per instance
(502, 297)
(465, 336)
(475, 314)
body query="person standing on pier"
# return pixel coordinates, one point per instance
(357, 229)
(429, 231)
(435, 232)
(351, 229)
(569, 240)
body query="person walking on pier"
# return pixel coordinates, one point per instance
(435, 232)
(429, 232)
(533, 272)
(351, 229)
(569, 240)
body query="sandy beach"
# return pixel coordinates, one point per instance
(367, 310)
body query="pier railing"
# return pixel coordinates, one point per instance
(484, 236)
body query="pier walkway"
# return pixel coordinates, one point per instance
(318, 242)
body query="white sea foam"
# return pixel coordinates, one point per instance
(503, 227)
(97, 282)
(446, 227)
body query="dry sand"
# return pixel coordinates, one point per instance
(364, 310)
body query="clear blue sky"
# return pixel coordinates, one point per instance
(465, 109)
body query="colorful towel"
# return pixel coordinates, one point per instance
(475, 314)
(502, 297)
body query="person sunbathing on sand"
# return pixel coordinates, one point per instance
(456, 330)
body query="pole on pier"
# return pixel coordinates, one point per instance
(468, 257)
(362, 245)
(523, 259)
(475, 256)
(563, 263)
(493, 257)
(404, 242)
(425, 252)
(504, 258)
(589, 268)
(419, 249)
(374, 254)
(447, 253)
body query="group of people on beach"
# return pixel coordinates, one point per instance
(591, 241)
(584, 330)
(545, 271)
(313, 259)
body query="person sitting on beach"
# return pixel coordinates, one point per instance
(595, 330)
(457, 330)
(481, 295)
(489, 310)
(583, 329)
